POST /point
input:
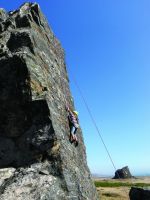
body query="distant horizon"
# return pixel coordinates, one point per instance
(107, 176)
(112, 173)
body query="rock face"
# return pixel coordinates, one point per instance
(37, 161)
(123, 173)
(139, 194)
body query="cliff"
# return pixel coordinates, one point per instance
(37, 161)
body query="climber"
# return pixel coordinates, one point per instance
(74, 125)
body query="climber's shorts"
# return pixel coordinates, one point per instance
(73, 129)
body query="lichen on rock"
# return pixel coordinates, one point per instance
(37, 161)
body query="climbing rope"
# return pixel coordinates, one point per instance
(95, 125)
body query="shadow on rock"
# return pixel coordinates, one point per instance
(26, 131)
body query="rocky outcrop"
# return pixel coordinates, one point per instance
(123, 173)
(37, 161)
(139, 194)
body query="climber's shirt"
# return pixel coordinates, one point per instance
(73, 119)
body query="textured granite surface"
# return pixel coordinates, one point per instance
(37, 161)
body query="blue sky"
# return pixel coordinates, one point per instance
(107, 45)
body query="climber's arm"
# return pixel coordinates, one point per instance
(68, 109)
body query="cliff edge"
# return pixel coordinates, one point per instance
(37, 161)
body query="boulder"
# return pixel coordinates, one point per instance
(123, 173)
(139, 194)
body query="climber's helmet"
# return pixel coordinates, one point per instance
(75, 112)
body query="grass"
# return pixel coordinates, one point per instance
(119, 184)
(113, 189)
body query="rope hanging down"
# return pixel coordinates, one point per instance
(96, 127)
(94, 122)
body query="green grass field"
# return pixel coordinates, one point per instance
(114, 189)
(119, 184)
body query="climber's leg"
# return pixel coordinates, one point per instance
(71, 133)
(76, 140)
(74, 133)
(75, 137)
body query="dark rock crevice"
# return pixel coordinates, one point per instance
(15, 94)
(25, 125)
(18, 40)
